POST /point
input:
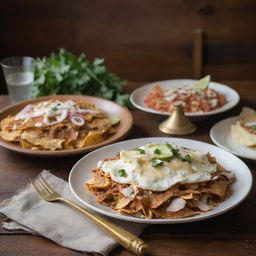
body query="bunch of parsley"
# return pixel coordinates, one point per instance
(65, 73)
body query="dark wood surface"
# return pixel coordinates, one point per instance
(233, 233)
(140, 40)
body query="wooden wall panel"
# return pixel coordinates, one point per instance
(140, 40)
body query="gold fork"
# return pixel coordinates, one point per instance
(125, 238)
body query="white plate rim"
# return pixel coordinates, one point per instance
(214, 85)
(213, 136)
(199, 217)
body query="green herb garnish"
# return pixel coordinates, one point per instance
(66, 73)
(122, 173)
(187, 158)
(132, 194)
(142, 151)
(157, 163)
(157, 151)
(175, 151)
(54, 108)
(253, 127)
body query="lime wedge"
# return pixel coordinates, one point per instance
(202, 83)
(164, 157)
(115, 121)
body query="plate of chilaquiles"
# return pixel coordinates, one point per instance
(62, 125)
(199, 98)
(160, 180)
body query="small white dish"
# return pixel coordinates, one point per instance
(138, 96)
(221, 136)
(81, 172)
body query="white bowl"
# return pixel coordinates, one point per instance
(138, 96)
(81, 172)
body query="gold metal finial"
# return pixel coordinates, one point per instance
(138, 247)
(177, 123)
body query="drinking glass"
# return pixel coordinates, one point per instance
(19, 77)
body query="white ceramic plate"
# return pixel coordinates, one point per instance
(220, 135)
(138, 96)
(81, 172)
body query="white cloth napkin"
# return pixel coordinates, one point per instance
(57, 221)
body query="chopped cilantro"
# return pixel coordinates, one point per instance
(175, 151)
(157, 163)
(122, 173)
(186, 158)
(157, 151)
(142, 151)
(54, 108)
(253, 127)
(132, 194)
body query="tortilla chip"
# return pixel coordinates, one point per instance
(122, 202)
(183, 213)
(10, 135)
(242, 136)
(26, 144)
(44, 142)
(98, 181)
(93, 138)
(218, 188)
(159, 198)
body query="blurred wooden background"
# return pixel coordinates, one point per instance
(142, 40)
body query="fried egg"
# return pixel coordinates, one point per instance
(157, 167)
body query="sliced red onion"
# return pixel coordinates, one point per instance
(176, 205)
(24, 112)
(77, 119)
(60, 118)
(37, 113)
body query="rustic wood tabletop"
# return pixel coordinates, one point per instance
(233, 233)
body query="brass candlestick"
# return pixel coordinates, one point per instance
(177, 123)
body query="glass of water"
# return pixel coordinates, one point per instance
(19, 77)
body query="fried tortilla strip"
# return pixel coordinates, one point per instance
(10, 135)
(7, 123)
(183, 213)
(44, 142)
(26, 144)
(98, 182)
(105, 198)
(187, 196)
(122, 202)
(134, 207)
(156, 199)
(218, 188)
(93, 137)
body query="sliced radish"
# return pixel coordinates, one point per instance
(77, 119)
(176, 205)
(202, 204)
(128, 191)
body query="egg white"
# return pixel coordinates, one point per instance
(136, 168)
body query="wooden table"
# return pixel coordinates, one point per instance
(233, 233)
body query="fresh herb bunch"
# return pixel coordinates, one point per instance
(65, 73)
